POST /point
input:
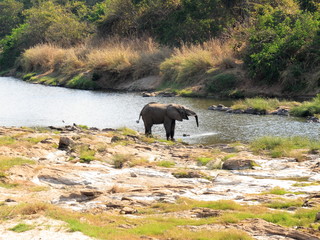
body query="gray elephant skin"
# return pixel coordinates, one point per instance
(166, 114)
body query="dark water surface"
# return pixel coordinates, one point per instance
(24, 104)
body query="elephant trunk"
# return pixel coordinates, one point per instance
(196, 116)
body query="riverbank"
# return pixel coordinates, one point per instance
(209, 70)
(118, 184)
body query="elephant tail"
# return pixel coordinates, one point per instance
(139, 118)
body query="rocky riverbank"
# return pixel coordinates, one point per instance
(121, 174)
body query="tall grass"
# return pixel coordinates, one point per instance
(189, 63)
(138, 56)
(261, 104)
(308, 108)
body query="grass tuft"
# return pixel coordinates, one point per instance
(21, 227)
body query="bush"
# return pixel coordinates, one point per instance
(222, 82)
(276, 43)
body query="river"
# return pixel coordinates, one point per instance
(32, 105)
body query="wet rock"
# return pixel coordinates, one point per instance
(238, 164)
(280, 112)
(65, 143)
(145, 94)
(212, 107)
(313, 119)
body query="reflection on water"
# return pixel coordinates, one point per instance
(24, 104)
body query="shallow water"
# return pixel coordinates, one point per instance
(25, 104)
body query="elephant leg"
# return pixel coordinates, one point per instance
(147, 129)
(173, 125)
(167, 125)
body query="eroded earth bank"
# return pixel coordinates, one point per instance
(79, 183)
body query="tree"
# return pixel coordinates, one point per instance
(10, 16)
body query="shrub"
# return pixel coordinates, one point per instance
(222, 82)
(280, 41)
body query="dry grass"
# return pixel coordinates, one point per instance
(140, 56)
(188, 63)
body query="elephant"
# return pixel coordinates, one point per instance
(158, 113)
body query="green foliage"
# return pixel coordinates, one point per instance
(10, 11)
(222, 82)
(81, 82)
(308, 108)
(281, 42)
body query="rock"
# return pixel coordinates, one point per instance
(116, 139)
(65, 143)
(238, 164)
(148, 94)
(212, 107)
(312, 119)
(206, 212)
(249, 110)
(312, 201)
(128, 210)
(132, 174)
(237, 111)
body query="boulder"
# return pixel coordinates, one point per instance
(238, 164)
(65, 143)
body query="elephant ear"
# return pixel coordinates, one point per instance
(174, 113)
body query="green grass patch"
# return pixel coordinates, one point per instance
(307, 108)
(167, 164)
(285, 203)
(284, 146)
(27, 76)
(203, 161)
(86, 154)
(81, 82)
(21, 227)
(7, 140)
(8, 185)
(262, 104)
(48, 80)
(7, 162)
(127, 131)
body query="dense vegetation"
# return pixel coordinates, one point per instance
(225, 46)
